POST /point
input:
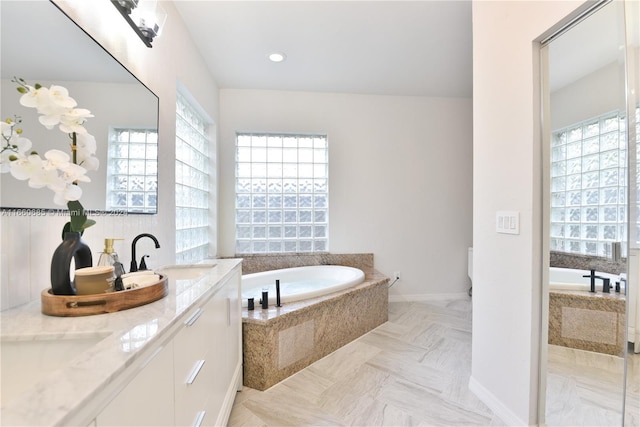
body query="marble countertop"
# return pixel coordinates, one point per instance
(123, 338)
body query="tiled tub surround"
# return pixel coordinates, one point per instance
(267, 262)
(586, 262)
(63, 396)
(588, 321)
(584, 320)
(278, 342)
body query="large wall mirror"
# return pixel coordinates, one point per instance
(591, 221)
(42, 45)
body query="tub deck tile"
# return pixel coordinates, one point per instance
(273, 338)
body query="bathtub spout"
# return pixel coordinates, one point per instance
(606, 284)
(592, 282)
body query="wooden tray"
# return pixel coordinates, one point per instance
(108, 302)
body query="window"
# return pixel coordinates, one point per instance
(192, 183)
(588, 186)
(132, 169)
(282, 193)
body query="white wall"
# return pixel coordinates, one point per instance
(598, 93)
(27, 243)
(507, 176)
(399, 171)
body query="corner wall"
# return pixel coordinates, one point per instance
(507, 176)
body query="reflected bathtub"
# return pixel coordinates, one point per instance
(570, 279)
(299, 283)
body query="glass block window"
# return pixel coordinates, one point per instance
(588, 186)
(282, 193)
(192, 184)
(132, 170)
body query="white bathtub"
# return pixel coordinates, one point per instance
(299, 283)
(569, 279)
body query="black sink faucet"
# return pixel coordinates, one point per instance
(593, 277)
(134, 264)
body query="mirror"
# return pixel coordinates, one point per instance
(42, 45)
(589, 205)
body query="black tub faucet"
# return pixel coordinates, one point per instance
(592, 278)
(606, 284)
(134, 264)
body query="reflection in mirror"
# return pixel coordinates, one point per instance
(586, 129)
(48, 48)
(632, 398)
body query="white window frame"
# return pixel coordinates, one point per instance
(589, 203)
(195, 226)
(282, 193)
(139, 161)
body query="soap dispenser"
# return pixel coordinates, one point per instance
(108, 256)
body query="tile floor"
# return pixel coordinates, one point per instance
(585, 388)
(412, 370)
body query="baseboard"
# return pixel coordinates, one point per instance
(498, 408)
(428, 297)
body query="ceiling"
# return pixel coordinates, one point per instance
(413, 48)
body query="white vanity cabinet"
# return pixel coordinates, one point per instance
(148, 398)
(193, 378)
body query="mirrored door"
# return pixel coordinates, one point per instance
(589, 207)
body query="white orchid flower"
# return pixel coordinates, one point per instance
(49, 178)
(91, 163)
(26, 167)
(57, 171)
(70, 192)
(49, 120)
(73, 120)
(85, 149)
(87, 143)
(59, 95)
(73, 173)
(22, 144)
(5, 160)
(56, 159)
(34, 98)
(6, 129)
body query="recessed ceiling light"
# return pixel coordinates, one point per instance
(277, 57)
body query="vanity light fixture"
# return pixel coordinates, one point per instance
(277, 57)
(146, 17)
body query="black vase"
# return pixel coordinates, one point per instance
(72, 247)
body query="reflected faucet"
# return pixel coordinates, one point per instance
(134, 264)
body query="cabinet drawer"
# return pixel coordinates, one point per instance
(191, 394)
(148, 398)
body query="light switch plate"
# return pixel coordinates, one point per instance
(508, 222)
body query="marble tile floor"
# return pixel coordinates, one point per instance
(585, 388)
(411, 371)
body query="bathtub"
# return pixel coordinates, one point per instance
(299, 283)
(569, 279)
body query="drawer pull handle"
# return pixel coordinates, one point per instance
(199, 418)
(228, 311)
(195, 372)
(153, 355)
(195, 316)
